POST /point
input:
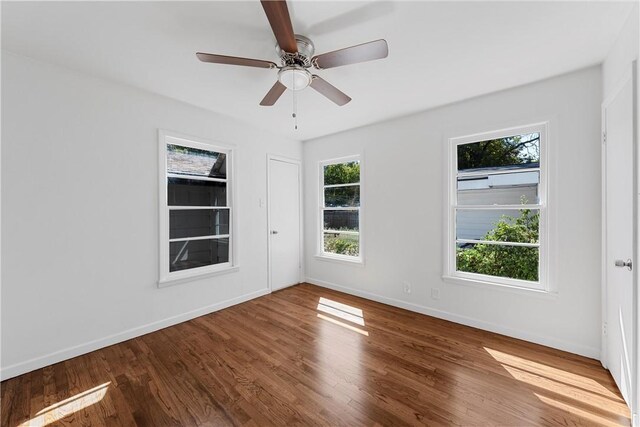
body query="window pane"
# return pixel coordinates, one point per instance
(342, 243)
(197, 253)
(499, 189)
(341, 220)
(509, 225)
(195, 192)
(342, 173)
(513, 151)
(198, 222)
(342, 196)
(497, 260)
(192, 161)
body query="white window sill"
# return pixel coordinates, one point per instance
(163, 283)
(476, 283)
(358, 262)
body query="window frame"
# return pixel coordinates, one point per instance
(329, 256)
(167, 277)
(451, 273)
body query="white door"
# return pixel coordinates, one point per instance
(618, 119)
(284, 222)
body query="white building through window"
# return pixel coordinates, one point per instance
(340, 209)
(196, 216)
(497, 209)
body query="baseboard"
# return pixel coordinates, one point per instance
(575, 348)
(68, 353)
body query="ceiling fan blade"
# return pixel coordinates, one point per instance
(278, 16)
(273, 95)
(377, 49)
(330, 91)
(234, 60)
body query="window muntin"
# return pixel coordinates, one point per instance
(196, 213)
(340, 209)
(498, 207)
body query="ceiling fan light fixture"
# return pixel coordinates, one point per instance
(295, 78)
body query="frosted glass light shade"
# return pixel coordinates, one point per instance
(294, 78)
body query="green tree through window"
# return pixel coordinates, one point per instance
(516, 262)
(512, 150)
(342, 173)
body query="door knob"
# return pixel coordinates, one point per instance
(274, 232)
(627, 263)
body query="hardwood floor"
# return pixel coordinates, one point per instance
(299, 357)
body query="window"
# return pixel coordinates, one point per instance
(340, 220)
(196, 213)
(498, 208)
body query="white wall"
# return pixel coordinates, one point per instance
(404, 190)
(80, 213)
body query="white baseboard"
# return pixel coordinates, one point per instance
(68, 353)
(570, 347)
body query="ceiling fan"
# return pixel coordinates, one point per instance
(297, 56)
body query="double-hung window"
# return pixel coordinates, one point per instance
(196, 233)
(497, 209)
(340, 182)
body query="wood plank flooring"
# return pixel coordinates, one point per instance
(311, 356)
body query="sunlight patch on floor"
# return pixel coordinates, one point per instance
(343, 311)
(575, 393)
(344, 325)
(554, 374)
(338, 312)
(340, 306)
(68, 406)
(593, 418)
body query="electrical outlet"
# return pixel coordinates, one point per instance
(604, 328)
(406, 287)
(435, 293)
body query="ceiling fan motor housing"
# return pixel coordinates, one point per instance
(301, 58)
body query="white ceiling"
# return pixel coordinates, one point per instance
(440, 52)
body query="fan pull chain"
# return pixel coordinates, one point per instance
(295, 107)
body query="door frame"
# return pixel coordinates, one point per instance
(634, 357)
(278, 158)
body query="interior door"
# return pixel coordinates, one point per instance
(284, 221)
(618, 123)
